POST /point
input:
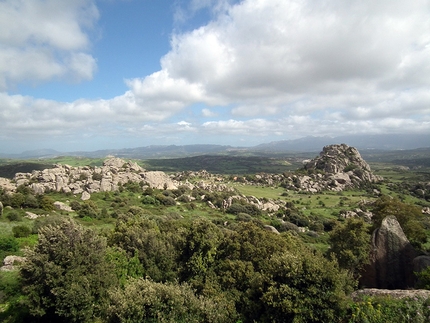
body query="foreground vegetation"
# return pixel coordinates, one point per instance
(147, 255)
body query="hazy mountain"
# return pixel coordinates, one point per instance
(306, 144)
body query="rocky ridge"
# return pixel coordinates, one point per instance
(86, 180)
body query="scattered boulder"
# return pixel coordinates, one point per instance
(85, 196)
(271, 229)
(62, 206)
(10, 262)
(391, 261)
(159, 180)
(32, 216)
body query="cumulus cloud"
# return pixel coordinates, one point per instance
(45, 39)
(278, 67)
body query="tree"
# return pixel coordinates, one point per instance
(66, 275)
(350, 244)
(407, 215)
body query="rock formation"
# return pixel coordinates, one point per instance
(392, 258)
(87, 180)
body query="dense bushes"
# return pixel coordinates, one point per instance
(177, 271)
(66, 276)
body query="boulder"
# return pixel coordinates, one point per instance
(271, 229)
(1, 208)
(7, 185)
(114, 162)
(158, 180)
(85, 196)
(9, 262)
(391, 261)
(62, 206)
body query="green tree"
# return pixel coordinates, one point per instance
(66, 275)
(408, 215)
(157, 251)
(88, 209)
(350, 244)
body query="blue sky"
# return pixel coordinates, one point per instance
(89, 75)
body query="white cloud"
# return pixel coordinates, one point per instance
(45, 39)
(207, 113)
(277, 67)
(328, 55)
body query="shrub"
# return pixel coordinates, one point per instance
(75, 205)
(97, 177)
(166, 200)
(8, 246)
(14, 216)
(148, 199)
(157, 302)
(21, 231)
(250, 209)
(66, 276)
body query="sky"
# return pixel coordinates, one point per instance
(83, 75)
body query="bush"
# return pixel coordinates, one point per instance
(157, 302)
(166, 200)
(97, 177)
(8, 246)
(75, 205)
(148, 199)
(385, 309)
(66, 276)
(14, 216)
(250, 209)
(21, 231)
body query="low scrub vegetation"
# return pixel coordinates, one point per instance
(142, 254)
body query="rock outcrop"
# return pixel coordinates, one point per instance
(336, 168)
(392, 256)
(87, 180)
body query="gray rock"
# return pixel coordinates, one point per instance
(391, 259)
(85, 196)
(271, 229)
(10, 262)
(62, 206)
(158, 180)
(1, 208)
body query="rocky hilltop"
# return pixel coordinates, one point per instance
(337, 167)
(86, 180)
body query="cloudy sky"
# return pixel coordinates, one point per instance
(96, 74)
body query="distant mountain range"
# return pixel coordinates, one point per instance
(306, 144)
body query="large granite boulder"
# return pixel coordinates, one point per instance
(392, 256)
